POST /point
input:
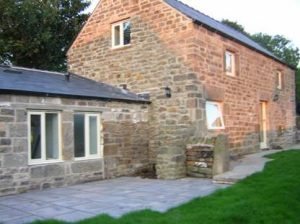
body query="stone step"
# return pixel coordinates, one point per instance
(228, 181)
(244, 167)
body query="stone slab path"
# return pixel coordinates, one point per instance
(114, 197)
(247, 166)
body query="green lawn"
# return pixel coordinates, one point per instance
(272, 196)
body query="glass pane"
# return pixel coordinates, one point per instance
(228, 61)
(213, 116)
(52, 144)
(93, 135)
(35, 138)
(79, 135)
(279, 80)
(127, 33)
(117, 35)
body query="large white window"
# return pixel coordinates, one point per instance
(121, 34)
(214, 115)
(87, 136)
(279, 78)
(229, 63)
(44, 137)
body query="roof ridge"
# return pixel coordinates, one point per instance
(37, 70)
(196, 10)
(220, 22)
(37, 82)
(222, 29)
(123, 91)
(94, 81)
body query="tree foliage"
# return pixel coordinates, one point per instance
(280, 46)
(38, 33)
(235, 25)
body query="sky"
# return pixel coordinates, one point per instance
(266, 16)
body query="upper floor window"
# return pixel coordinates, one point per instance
(279, 79)
(121, 34)
(229, 63)
(214, 116)
(87, 136)
(44, 137)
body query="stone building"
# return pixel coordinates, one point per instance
(58, 130)
(183, 93)
(204, 78)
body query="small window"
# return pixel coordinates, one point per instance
(279, 78)
(44, 137)
(121, 34)
(214, 115)
(86, 136)
(229, 63)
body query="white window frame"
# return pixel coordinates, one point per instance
(99, 154)
(121, 34)
(219, 105)
(279, 77)
(43, 159)
(232, 73)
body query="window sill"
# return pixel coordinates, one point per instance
(120, 47)
(232, 75)
(47, 162)
(216, 129)
(87, 158)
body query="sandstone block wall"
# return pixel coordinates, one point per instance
(124, 137)
(254, 81)
(160, 44)
(168, 50)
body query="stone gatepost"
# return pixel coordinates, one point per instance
(221, 155)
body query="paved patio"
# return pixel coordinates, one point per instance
(114, 197)
(247, 166)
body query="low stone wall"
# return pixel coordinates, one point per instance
(200, 160)
(124, 137)
(204, 160)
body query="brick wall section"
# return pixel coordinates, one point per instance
(124, 137)
(168, 49)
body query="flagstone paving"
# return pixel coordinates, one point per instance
(114, 197)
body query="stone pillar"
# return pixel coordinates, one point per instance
(221, 155)
(179, 120)
(170, 166)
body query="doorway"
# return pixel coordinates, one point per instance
(263, 125)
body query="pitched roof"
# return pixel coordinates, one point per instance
(25, 81)
(221, 28)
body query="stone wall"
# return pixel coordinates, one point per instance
(208, 158)
(168, 50)
(200, 160)
(124, 137)
(254, 81)
(149, 64)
